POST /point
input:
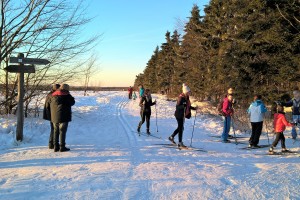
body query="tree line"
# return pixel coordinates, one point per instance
(252, 46)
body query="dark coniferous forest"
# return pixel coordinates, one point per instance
(252, 46)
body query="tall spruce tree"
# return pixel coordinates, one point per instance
(193, 53)
(165, 65)
(150, 75)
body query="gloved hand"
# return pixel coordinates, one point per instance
(294, 123)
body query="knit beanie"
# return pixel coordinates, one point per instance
(296, 94)
(65, 87)
(55, 87)
(185, 89)
(230, 91)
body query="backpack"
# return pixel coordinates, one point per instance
(220, 107)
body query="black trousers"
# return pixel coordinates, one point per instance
(130, 95)
(51, 137)
(145, 116)
(256, 132)
(60, 132)
(179, 129)
(279, 136)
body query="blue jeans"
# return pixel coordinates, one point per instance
(226, 128)
(296, 119)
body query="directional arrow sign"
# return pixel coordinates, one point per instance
(32, 61)
(20, 69)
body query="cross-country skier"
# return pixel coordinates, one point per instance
(256, 112)
(183, 110)
(145, 104)
(280, 124)
(130, 90)
(295, 104)
(228, 112)
(141, 91)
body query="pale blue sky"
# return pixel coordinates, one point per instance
(131, 30)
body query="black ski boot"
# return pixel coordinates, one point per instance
(172, 140)
(56, 148)
(271, 150)
(181, 145)
(148, 132)
(63, 148)
(51, 145)
(138, 129)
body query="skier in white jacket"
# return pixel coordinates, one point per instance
(256, 111)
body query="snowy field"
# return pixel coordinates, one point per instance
(109, 160)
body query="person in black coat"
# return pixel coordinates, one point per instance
(183, 110)
(145, 104)
(47, 115)
(61, 114)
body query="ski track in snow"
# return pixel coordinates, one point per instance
(108, 160)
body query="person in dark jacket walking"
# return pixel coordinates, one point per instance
(183, 110)
(295, 104)
(145, 104)
(61, 114)
(47, 115)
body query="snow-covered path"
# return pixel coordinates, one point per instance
(108, 160)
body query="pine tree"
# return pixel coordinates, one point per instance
(165, 65)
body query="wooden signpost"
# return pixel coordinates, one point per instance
(21, 69)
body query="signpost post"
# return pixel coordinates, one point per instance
(21, 69)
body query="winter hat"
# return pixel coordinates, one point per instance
(185, 89)
(296, 94)
(55, 87)
(65, 87)
(230, 91)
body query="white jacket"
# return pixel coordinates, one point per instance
(256, 111)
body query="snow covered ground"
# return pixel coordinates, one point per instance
(109, 160)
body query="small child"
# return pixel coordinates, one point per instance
(134, 95)
(280, 124)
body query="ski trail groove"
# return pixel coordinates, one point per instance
(132, 189)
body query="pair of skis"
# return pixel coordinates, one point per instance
(255, 147)
(147, 135)
(175, 146)
(284, 153)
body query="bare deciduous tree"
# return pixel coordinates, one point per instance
(43, 29)
(90, 70)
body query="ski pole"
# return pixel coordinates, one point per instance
(156, 117)
(232, 123)
(193, 129)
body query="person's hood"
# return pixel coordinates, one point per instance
(257, 103)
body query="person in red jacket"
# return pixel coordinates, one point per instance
(227, 112)
(130, 90)
(280, 124)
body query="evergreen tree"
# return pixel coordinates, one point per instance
(150, 75)
(252, 46)
(165, 65)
